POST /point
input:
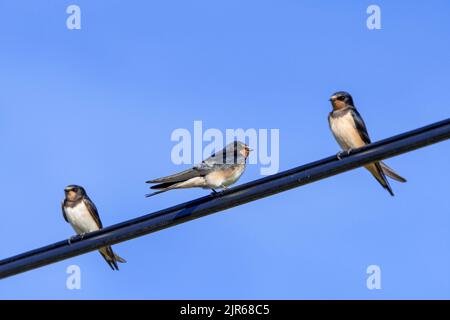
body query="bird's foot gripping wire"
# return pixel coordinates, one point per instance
(215, 193)
(72, 238)
(343, 153)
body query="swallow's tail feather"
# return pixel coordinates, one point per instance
(119, 259)
(377, 172)
(155, 193)
(111, 258)
(191, 183)
(391, 173)
(162, 187)
(177, 177)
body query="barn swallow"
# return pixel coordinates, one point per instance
(350, 132)
(218, 171)
(81, 213)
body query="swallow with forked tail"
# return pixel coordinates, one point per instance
(219, 171)
(350, 132)
(81, 213)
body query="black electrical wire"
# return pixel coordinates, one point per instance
(233, 197)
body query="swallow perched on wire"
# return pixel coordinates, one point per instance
(81, 213)
(350, 132)
(219, 171)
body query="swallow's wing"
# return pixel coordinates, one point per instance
(209, 163)
(360, 125)
(92, 211)
(181, 176)
(207, 167)
(64, 211)
(227, 157)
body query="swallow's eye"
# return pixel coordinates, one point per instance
(341, 98)
(75, 190)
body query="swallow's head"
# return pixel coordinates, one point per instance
(341, 100)
(243, 149)
(234, 150)
(74, 192)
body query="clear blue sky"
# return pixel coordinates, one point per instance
(97, 106)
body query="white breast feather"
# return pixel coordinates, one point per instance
(344, 131)
(80, 218)
(215, 180)
(236, 175)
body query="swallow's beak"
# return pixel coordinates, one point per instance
(67, 189)
(333, 98)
